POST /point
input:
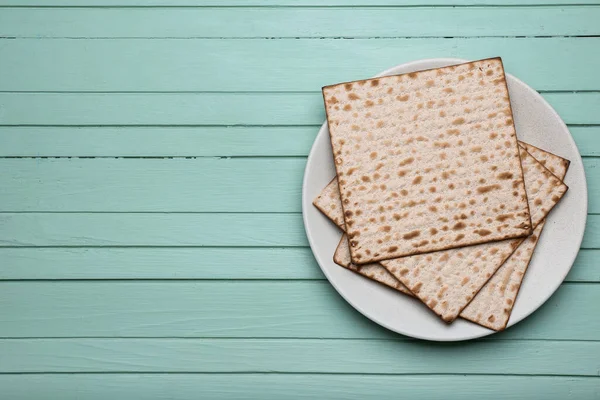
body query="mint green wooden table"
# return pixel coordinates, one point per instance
(151, 241)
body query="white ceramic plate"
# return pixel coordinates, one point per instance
(536, 123)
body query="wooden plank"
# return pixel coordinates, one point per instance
(172, 230)
(585, 268)
(294, 386)
(283, 3)
(169, 185)
(168, 142)
(191, 263)
(239, 309)
(182, 185)
(48, 141)
(141, 229)
(175, 263)
(298, 22)
(298, 356)
(586, 137)
(119, 65)
(591, 237)
(217, 108)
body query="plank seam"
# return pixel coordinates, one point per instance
(336, 37)
(590, 376)
(370, 6)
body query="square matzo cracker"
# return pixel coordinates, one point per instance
(423, 158)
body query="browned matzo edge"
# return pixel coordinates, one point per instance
(548, 172)
(332, 185)
(372, 271)
(323, 204)
(538, 153)
(424, 245)
(518, 150)
(413, 73)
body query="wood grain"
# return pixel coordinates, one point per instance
(293, 386)
(164, 141)
(277, 3)
(241, 309)
(165, 185)
(107, 65)
(174, 263)
(298, 22)
(143, 229)
(297, 356)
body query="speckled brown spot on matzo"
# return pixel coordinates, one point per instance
(459, 226)
(488, 188)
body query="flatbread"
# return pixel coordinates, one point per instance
(556, 164)
(375, 271)
(330, 204)
(544, 189)
(447, 281)
(413, 152)
(494, 303)
(482, 260)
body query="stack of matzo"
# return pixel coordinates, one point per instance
(433, 184)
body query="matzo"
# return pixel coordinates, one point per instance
(329, 203)
(374, 271)
(543, 188)
(447, 281)
(415, 153)
(494, 303)
(556, 164)
(483, 300)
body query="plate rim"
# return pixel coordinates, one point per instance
(443, 61)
